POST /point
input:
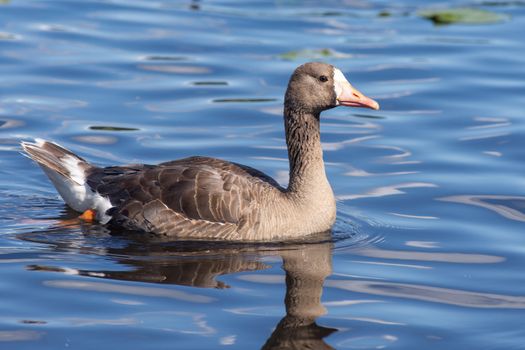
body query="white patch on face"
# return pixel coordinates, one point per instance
(339, 82)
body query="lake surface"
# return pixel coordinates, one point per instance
(428, 251)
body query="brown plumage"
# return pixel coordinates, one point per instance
(194, 197)
(207, 198)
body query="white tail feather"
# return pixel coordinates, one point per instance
(67, 172)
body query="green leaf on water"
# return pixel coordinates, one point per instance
(312, 54)
(111, 128)
(462, 16)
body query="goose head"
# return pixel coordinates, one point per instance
(315, 87)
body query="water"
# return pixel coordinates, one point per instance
(428, 249)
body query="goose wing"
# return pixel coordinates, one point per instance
(195, 196)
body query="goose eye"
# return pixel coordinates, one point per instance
(323, 78)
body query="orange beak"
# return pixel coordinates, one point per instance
(346, 95)
(351, 97)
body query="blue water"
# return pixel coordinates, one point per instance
(428, 249)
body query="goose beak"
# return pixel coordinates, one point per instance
(351, 97)
(347, 95)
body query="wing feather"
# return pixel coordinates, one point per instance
(189, 197)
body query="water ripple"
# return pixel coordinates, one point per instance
(457, 258)
(431, 294)
(386, 190)
(510, 207)
(129, 290)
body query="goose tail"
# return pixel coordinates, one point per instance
(68, 173)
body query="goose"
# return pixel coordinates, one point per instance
(202, 198)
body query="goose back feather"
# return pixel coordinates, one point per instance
(196, 196)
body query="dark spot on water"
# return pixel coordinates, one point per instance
(33, 322)
(244, 100)
(195, 5)
(112, 128)
(212, 83)
(384, 14)
(165, 58)
(331, 13)
(368, 116)
(175, 69)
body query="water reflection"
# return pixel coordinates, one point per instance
(306, 270)
(200, 264)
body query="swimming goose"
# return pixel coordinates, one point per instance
(208, 198)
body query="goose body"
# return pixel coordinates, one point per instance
(208, 198)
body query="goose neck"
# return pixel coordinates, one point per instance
(305, 153)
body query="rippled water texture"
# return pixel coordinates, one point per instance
(428, 250)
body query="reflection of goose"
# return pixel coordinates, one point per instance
(306, 266)
(306, 270)
(190, 264)
(209, 198)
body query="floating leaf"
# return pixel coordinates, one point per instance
(312, 54)
(462, 16)
(111, 128)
